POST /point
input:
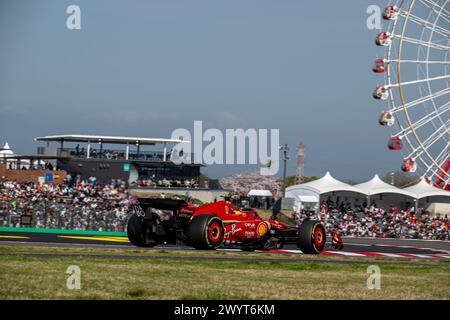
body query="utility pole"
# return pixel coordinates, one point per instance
(392, 174)
(299, 171)
(285, 149)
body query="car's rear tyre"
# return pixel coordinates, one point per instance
(312, 237)
(137, 233)
(206, 232)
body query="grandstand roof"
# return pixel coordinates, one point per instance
(377, 186)
(29, 157)
(424, 189)
(107, 139)
(323, 185)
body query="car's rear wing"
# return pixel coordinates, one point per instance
(162, 204)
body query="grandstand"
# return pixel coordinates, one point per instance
(110, 158)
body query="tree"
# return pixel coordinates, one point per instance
(309, 179)
(400, 178)
(291, 180)
(242, 183)
(205, 180)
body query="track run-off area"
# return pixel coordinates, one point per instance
(354, 247)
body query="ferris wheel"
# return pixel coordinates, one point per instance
(416, 86)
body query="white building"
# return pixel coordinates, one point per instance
(6, 153)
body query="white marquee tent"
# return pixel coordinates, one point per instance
(315, 188)
(6, 151)
(377, 186)
(375, 191)
(260, 193)
(424, 189)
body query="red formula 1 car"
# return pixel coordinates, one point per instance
(219, 224)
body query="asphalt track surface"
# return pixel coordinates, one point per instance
(355, 247)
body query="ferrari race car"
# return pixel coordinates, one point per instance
(219, 224)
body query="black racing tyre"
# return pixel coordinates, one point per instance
(136, 232)
(206, 232)
(312, 237)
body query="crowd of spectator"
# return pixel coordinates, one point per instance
(87, 205)
(152, 182)
(76, 204)
(371, 221)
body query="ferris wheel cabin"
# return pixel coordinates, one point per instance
(391, 13)
(395, 143)
(386, 119)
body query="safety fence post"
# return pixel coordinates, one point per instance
(72, 213)
(9, 214)
(45, 214)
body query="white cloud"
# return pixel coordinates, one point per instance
(8, 109)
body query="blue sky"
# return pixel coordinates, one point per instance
(145, 68)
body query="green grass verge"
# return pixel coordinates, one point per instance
(63, 231)
(305, 277)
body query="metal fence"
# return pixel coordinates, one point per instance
(53, 215)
